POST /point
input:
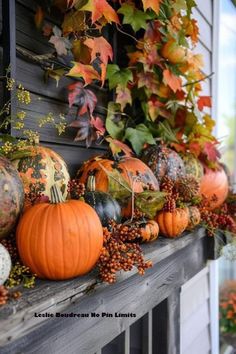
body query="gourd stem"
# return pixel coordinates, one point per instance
(91, 183)
(56, 195)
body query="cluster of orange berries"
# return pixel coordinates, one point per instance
(121, 252)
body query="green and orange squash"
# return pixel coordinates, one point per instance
(11, 196)
(41, 169)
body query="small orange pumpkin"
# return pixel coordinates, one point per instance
(172, 224)
(59, 240)
(194, 217)
(149, 231)
(214, 183)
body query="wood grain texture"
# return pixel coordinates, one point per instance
(131, 293)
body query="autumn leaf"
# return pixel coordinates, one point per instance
(149, 81)
(115, 123)
(85, 130)
(55, 74)
(138, 137)
(84, 98)
(211, 151)
(117, 147)
(150, 202)
(60, 43)
(38, 17)
(123, 96)
(98, 124)
(87, 72)
(209, 122)
(152, 4)
(204, 101)
(173, 81)
(195, 148)
(81, 52)
(99, 9)
(73, 22)
(99, 46)
(134, 17)
(154, 107)
(117, 76)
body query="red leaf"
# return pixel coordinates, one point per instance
(87, 72)
(195, 148)
(98, 124)
(153, 34)
(84, 98)
(179, 147)
(174, 82)
(211, 151)
(204, 101)
(101, 47)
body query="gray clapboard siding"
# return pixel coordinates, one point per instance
(200, 288)
(201, 344)
(205, 29)
(195, 324)
(205, 7)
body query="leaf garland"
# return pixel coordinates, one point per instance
(157, 94)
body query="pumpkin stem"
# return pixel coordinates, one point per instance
(56, 195)
(91, 183)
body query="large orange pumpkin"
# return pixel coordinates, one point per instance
(172, 224)
(60, 240)
(214, 184)
(128, 167)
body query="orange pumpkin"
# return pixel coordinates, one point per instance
(149, 231)
(194, 217)
(59, 240)
(172, 224)
(214, 184)
(128, 167)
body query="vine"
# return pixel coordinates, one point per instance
(158, 84)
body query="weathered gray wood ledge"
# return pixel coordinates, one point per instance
(174, 263)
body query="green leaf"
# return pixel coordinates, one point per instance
(117, 76)
(115, 125)
(136, 18)
(190, 5)
(138, 137)
(118, 187)
(179, 5)
(150, 202)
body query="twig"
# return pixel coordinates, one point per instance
(197, 81)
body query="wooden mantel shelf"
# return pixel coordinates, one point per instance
(174, 263)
